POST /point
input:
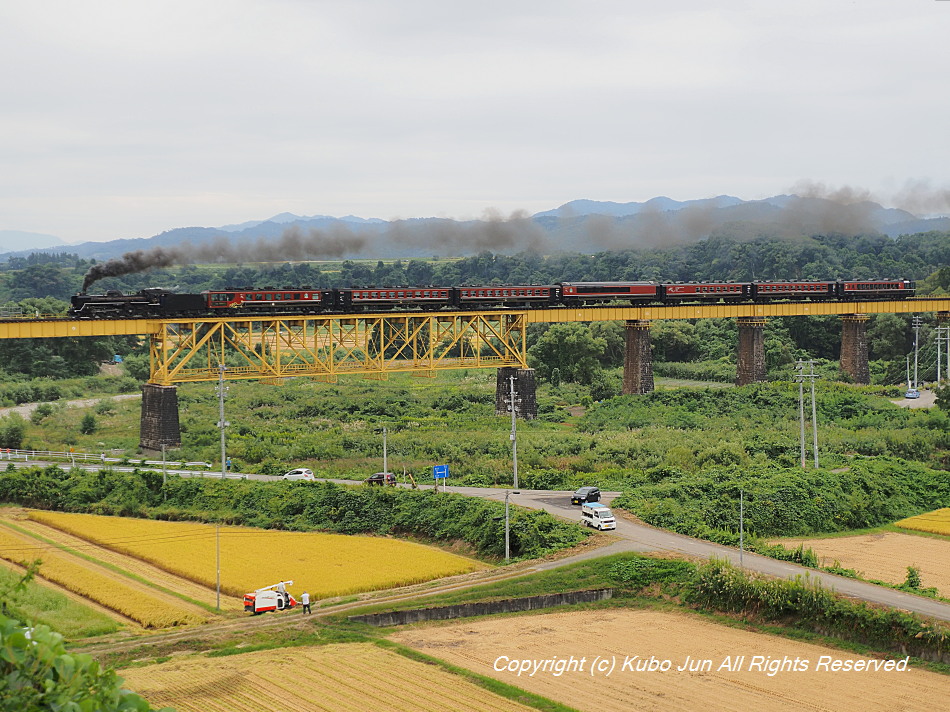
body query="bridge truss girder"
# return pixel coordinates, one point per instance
(324, 347)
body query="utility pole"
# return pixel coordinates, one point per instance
(514, 435)
(916, 322)
(801, 408)
(943, 336)
(217, 542)
(741, 524)
(814, 412)
(507, 527)
(385, 454)
(800, 367)
(222, 423)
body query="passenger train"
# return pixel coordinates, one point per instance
(266, 301)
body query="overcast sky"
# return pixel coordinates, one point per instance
(126, 118)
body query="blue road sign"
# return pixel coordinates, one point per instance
(440, 472)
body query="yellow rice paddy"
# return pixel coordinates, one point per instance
(112, 590)
(936, 522)
(325, 565)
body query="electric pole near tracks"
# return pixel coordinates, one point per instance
(943, 336)
(916, 321)
(800, 367)
(514, 434)
(222, 423)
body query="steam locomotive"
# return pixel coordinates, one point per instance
(268, 301)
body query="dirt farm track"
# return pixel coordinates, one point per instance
(737, 676)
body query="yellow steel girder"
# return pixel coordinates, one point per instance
(322, 347)
(727, 311)
(62, 327)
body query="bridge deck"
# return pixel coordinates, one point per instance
(63, 327)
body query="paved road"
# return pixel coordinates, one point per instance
(643, 538)
(927, 400)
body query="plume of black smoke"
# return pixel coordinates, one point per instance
(851, 207)
(494, 232)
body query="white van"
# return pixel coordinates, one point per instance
(597, 515)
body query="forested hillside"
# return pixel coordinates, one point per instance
(823, 257)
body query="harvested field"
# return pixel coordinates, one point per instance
(142, 569)
(148, 607)
(737, 675)
(324, 564)
(886, 556)
(355, 677)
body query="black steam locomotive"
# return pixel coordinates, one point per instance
(162, 303)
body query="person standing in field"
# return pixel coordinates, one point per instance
(305, 600)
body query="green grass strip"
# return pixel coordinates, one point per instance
(502, 689)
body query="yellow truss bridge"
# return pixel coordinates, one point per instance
(324, 347)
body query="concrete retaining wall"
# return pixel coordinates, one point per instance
(465, 610)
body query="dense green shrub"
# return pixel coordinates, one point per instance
(721, 586)
(787, 501)
(438, 517)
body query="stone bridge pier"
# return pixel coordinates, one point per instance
(751, 357)
(637, 358)
(526, 402)
(854, 348)
(159, 424)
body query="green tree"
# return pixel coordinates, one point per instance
(942, 397)
(889, 337)
(674, 340)
(88, 425)
(12, 428)
(137, 366)
(615, 338)
(572, 349)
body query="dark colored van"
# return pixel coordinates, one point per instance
(382, 478)
(586, 494)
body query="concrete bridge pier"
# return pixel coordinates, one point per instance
(637, 358)
(751, 360)
(526, 403)
(854, 347)
(159, 417)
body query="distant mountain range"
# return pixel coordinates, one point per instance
(580, 225)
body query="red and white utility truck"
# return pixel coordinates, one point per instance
(270, 598)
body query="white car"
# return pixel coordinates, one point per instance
(301, 473)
